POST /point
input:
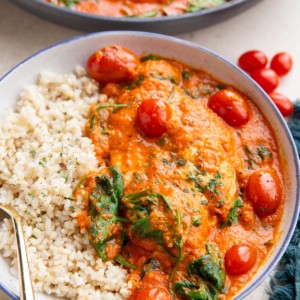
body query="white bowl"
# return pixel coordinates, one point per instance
(63, 57)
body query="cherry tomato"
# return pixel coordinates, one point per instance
(153, 293)
(239, 259)
(152, 117)
(252, 60)
(283, 103)
(282, 63)
(230, 106)
(264, 190)
(113, 64)
(266, 78)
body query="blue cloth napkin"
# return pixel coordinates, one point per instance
(285, 284)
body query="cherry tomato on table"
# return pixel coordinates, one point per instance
(239, 259)
(113, 64)
(266, 78)
(152, 117)
(282, 63)
(264, 190)
(252, 60)
(283, 103)
(153, 293)
(230, 106)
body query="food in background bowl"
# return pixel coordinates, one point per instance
(161, 178)
(138, 8)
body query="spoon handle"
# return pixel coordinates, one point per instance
(26, 291)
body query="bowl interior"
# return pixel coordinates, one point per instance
(62, 58)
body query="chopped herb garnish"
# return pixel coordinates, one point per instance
(196, 221)
(220, 86)
(162, 141)
(115, 106)
(263, 152)
(232, 217)
(69, 3)
(69, 198)
(181, 162)
(195, 5)
(33, 153)
(149, 14)
(150, 265)
(92, 122)
(185, 75)
(124, 262)
(166, 162)
(150, 57)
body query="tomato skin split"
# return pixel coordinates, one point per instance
(113, 64)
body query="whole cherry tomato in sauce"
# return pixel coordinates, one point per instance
(266, 78)
(282, 63)
(113, 64)
(153, 293)
(264, 190)
(284, 104)
(239, 259)
(252, 60)
(152, 117)
(230, 106)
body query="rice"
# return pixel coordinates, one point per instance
(43, 154)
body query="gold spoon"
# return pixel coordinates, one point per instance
(26, 291)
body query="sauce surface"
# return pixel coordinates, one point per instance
(172, 207)
(137, 8)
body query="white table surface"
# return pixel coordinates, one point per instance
(271, 25)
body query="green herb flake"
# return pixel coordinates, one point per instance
(220, 86)
(195, 5)
(264, 153)
(181, 162)
(92, 122)
(69, 3)
(69, 198)
(196, 221)
(166, 162)
(124, 262)
(150, 57)
(33, 153)
(185, 75)
(162, 141)
(232, 217)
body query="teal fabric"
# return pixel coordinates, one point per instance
(285, 285)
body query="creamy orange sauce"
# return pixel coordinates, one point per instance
(198, 148)
(136, 8)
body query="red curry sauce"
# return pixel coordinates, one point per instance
(199, 192)
(137, 8)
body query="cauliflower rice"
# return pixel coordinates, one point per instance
(43, 154)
